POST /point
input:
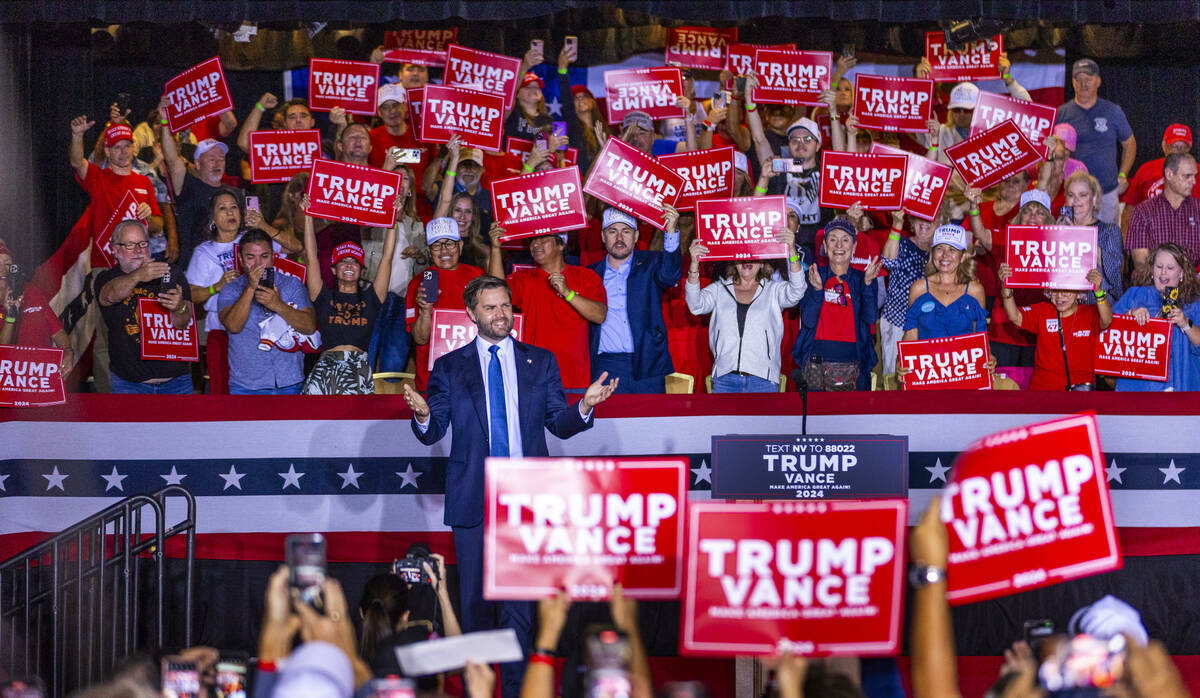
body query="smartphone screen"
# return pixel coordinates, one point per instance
(559, 128)
(429, 282)
(180, 679)
(306, 565)
(267, 280)
(231, 678)
(720, 99)
(848, 50)
(739, 84)
(391, 688)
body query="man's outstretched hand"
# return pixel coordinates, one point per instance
(598, 392)
(416, 403)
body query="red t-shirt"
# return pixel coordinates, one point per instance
(106, 189)
(451, 283)
(381, 140)
(552, 324)
(1148, 183)
(1080, 330)
(837, 315)
(38, 323)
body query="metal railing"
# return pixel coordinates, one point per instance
(74, 604)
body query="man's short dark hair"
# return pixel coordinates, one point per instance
(296, 102)
(255, 235)
(478, 285)
(1173, 161)
(366, 129)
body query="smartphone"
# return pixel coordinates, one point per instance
(252, 204)
(305, 553)
(1036, 632)
(606, 658)
(1066, 214)
(536, 45)
(406, 156)
(1084, 661)
(267, 280)
(559, 129)
(739, 85)
(180, 679)
(720, 99)
(847, 50)
(787, 165)
(231, 677)
(123, 100)
(25, 688)
(391, 687)
(429, 282)
(572, 46)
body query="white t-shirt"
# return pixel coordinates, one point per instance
(210, 261)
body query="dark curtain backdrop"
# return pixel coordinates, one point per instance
(58, 69)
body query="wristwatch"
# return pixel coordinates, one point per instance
(923, 575)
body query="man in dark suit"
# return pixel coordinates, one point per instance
(500, 396)
(631, 343)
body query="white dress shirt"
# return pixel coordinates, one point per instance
(508, 368)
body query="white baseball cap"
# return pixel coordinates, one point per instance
(1036, 196)
(964, 96)
(208, 144)
(952, 235)
(393, 92)
(441, 229)
(806, 124)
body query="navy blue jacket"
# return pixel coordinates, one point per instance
(457, 399)
(652, 273)
(866, 307)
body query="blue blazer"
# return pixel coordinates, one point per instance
(866, 307)
(652, 273)
(457, 399)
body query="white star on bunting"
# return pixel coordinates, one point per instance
(232, 478)
(409, 477)
(55, 479)
(291, 477)
(937, 471)
(350, 477)
(173, 477)
(703, 473)
(113, 480)
(1112, 472)
(1171, 472)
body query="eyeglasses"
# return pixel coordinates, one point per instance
(802, 139)
(443, 245)
(145, 244)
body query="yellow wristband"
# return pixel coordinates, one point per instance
(570, 296)
(451, 173)
(759, 189)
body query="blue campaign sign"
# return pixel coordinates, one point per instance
(832, 466)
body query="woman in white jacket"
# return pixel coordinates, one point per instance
(746, 327)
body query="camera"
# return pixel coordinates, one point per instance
(411, 567)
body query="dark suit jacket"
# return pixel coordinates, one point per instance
(457, 399)
(652, 273)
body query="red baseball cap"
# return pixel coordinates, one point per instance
(576, 89)
(1176, 133)
(532, 77)
(116, 133)
(348, 249)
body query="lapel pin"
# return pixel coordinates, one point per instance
(528, 361)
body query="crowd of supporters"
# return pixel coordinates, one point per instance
(323, 647)
(617, 295)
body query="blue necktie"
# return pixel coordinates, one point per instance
(499, 417)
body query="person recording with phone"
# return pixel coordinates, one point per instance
(439, 286)
(262, 354)
(1173, 294)
(137, 276)
(346, 312)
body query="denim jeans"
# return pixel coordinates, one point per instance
(621, 366)
(733, 383)
(235, 389)
(179, 385)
